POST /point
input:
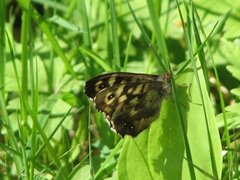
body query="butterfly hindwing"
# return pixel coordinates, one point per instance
(137, 114)
(129, 101)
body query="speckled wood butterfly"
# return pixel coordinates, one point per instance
(130, 101)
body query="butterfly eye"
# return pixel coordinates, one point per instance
(110, 96)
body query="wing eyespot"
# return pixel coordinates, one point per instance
(102, 86)
(111, 96)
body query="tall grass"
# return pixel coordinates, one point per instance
(50, 130)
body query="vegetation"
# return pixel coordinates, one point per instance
(50, 130)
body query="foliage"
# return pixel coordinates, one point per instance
(48, 49)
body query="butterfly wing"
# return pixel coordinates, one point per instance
(130, 101)
(131, 107)
(104, 81)
(137, 114)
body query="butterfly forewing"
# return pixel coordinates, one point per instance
(113, 98)
(98, 83)
(129, 101)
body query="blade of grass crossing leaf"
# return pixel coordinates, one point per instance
(116, 54)
(198, 49)
(226, 129)
(187, 37)
(226, 133)
(183, 129)
(200, 53)
(187, 146)
(204, 67)
(204, 172)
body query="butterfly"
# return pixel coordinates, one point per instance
(130, 101)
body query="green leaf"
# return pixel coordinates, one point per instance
(83, 172)
(159, 153)
(236, 91)
(234, 71)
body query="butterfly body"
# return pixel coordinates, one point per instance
(130, 101)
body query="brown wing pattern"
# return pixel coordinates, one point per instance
(113, 98)
(129, 101)
(104, 81)
(138, 113)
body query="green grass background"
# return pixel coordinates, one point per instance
(50, 130)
